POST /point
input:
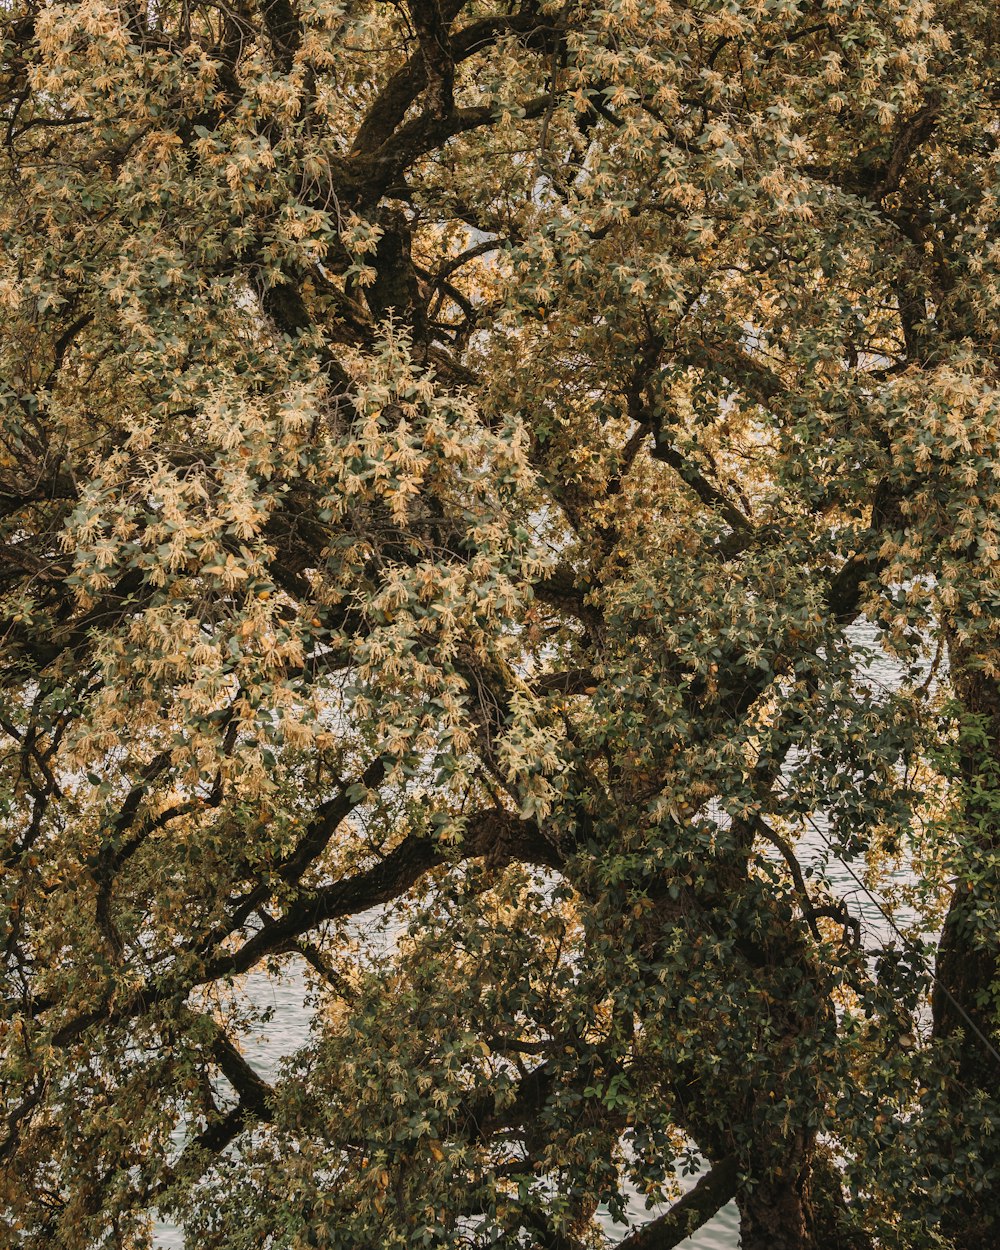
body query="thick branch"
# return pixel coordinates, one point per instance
(403, 88)
(501, 836)
(284, 31)
(709, 495)
(435, 54)
(496, 833)
(254, 1092)
(687, 1215)
(480, 1117)
(254, 1095)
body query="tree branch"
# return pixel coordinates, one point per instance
(689, 1213)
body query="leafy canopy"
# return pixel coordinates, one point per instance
(453, 455)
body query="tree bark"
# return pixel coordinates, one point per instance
(689, 1213)
(774, 1211)
(964, 1004)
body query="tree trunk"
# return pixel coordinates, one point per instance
(968, 962)
(804, 1209)
(773, 1214)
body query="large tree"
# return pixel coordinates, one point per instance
(452, 455)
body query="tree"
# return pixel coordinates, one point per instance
(448, 453)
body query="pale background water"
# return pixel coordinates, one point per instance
(289, 1025)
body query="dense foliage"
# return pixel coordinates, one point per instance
(458, 462)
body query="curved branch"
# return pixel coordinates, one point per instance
(689, 1213)
(500, 835)
(765, 831)
(497, 834)
(403, 88)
